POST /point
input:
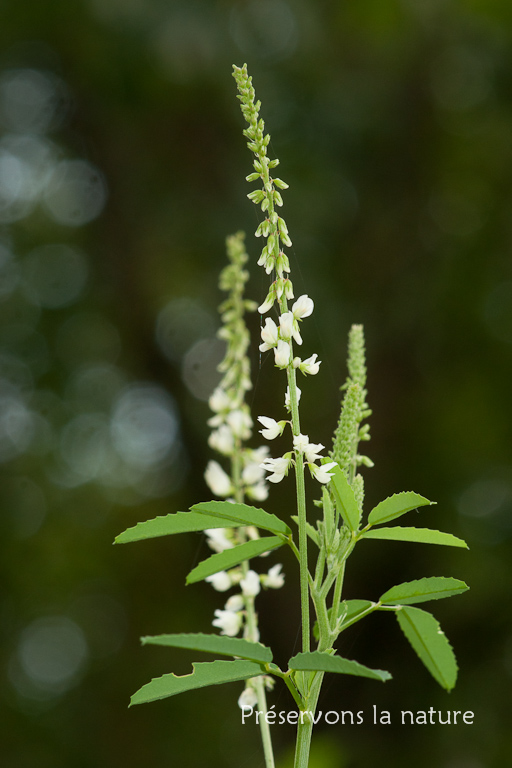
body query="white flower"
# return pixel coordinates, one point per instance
(300, 442)
(288, 327)
(220, 581)
(251, 584)
(228, 622)
(267, 304)
(310, 365)
(322, 473)
(272, 429)
(303, 307)
(311, 451)
(287, 396)
(217, 480)
(274, 579)
(269, 335)
(235, 603)
(219, 400)
(247, 699)
(217, 539)
(279, 467)
(241, 423)
(252, 473)
(221, 440)
(258, 491)
(282, 354)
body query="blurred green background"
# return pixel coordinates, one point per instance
(122, 170)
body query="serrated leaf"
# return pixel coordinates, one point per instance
(318, 661)
(204, 674)
(396, 505)
(227, 646)
(178, 522)
(231, 557)
(420, 590)
(425, 635)
(354, 610)
(345, 499)
(310, 530)
(243, 514)
(419, 535)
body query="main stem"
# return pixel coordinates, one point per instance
(305, 727)
(301, 511)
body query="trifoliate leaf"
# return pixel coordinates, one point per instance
(204, 674)
(419, 535)
(396, 505)
(231, 557)
(226, 646)
(317, 661)
(430, 643)
(420, 590)
(243, 514)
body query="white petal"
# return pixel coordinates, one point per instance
(251, 584)
(220, 581)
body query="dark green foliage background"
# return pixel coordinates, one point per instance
(393, 124)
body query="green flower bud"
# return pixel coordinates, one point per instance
(256, 196)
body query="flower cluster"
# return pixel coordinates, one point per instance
(231, 427)
(310, 451)
(279, 337)
(273, 227)
(231, 421)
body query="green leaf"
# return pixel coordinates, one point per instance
(354, 610)
(396, 505)
(231, 557)
(310, 530)
(227, 646)
(419, 535)
(317, 661)
(430, 643)
(346, 503)
(243, 514)
(204, 674)
(179, 522)
(420, 590)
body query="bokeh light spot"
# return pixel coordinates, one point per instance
(76, 193)
(30, 100)
(52, 652)
(199, 369)
(144, 425)
(181, 323)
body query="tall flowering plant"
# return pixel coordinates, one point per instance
(240, 533)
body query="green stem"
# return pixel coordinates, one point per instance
(301, 510)
(305, 725)
(337, 595)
